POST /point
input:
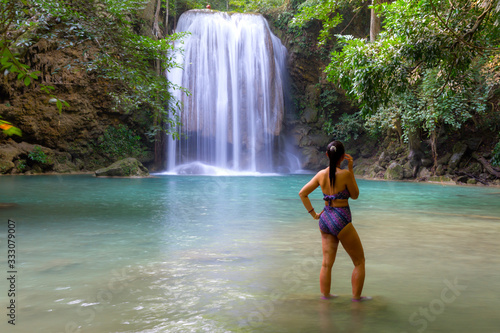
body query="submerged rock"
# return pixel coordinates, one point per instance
(7, 205)
(128, 167)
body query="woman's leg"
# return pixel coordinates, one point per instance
(330, 244)
(352, 244)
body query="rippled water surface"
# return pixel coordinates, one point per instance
(241, 254)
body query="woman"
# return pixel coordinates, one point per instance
(335, 219)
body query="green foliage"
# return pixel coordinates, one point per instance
(423, 70)
(53, 99)
(21, 165)
(9, 59)
(496, 154)
(255, 6)
(299, 35)
(125, 60)
(9, 129)
(37, 155)
(18, 19)
(348, 127)
(327, 11)
(385, 119)
(140, 87)
(120, 142)
(328, 99)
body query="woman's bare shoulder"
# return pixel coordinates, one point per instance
(321, 174)
(343, 172)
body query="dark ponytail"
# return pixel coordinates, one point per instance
(335, 151)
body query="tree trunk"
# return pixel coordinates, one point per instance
(399, 129)
(157, 121)
(374, 22)
(433, 139)
(415, 155)
(175, 15)
(156, 27)
(486, 165)
(166, 18)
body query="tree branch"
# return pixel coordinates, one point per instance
(478, 21)
(156, 27)
(348, 24)
(486, 165)
(8, 20)
(416, 66)
(461, 38)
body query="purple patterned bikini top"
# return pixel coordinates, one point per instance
(344, 194)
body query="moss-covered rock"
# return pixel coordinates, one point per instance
(384, 159)
(128, 167)
(310, 115)
(368, 149)
(458, 152)
(440, 170)
(444, 159)
(440, 179)
(363, 167)
(313, 159)
(6, 166)
(407, 170)
(21, 157)
(424, 174)
(475, 168)
(427, 162)
(394, 172)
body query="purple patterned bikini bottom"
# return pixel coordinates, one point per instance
(334, 219)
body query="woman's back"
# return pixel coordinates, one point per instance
(343, 182)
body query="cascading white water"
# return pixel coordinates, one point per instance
(235, 69)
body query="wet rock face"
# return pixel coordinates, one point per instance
(69, 135)
(23, 157)
(35, 111)
(459, 151)
(128, 167)
(394, 172)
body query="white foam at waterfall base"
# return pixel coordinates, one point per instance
(198, 168)
(232, 123)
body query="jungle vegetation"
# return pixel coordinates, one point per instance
(427, 66)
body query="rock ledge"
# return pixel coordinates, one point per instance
(128, 167)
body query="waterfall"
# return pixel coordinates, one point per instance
(235, 68)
